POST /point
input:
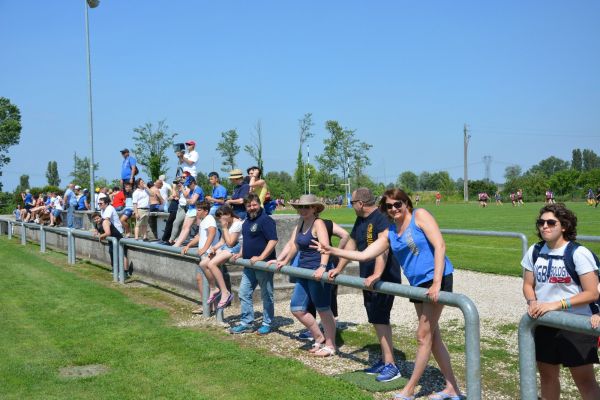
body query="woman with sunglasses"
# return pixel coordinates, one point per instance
(414, 238)
(311, 228)
(548, 286)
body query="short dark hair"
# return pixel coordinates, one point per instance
(225, 209)
(104, 199)
(203, 205)
(364, 195)
(250, 198)
(567, 219)
(94, 215)
(255, 167)
(215, 174)
(395, 194)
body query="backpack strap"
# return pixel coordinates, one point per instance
(569, 263)
(536, 251)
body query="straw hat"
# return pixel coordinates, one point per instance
(309, 200)
(236, 174)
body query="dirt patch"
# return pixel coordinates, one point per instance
(83, 371)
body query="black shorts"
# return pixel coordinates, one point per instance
(447, 283)
(559, 346)
(378, 306)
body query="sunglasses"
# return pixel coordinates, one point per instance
(354, 201)
(397, 205)
(302, 207)
(551, 222)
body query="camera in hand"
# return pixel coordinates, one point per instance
(179, 148)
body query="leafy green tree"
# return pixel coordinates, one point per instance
(304, 133)
(512, 172)
(577, 160)
(590, 160)
(10, 129)
(255, 150)
(549, 166)
(480, 186)
(229, 149)
(564, 182)
(23, 184)
(534, 186)
(359, 161)
(81, 171)
(589, 180)
(151, 147)
(408, 180)
(342, 147)
(52, 174)
(281, 184)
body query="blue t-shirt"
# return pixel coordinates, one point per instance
(200, 193)
(240, 192)
(219, 192)
(81, 202)
(257, 233)
(364, 232)
(128, 162)
(415, 253)
(70, 198)
(28, 198)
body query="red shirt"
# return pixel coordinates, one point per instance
(119, 199)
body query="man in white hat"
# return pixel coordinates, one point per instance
(240, 191)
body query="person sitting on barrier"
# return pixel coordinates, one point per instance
(558, 274)
(260, 238)
(208, 236)
(230, 244)
(240, 191)
(172, 208)
(219, 193)
(117, 199)
(193, 194)
(156, 200)
(57, 209)
(141, 203)
(108, 224)
(28, 204)
(310, 227)
(83, 201)
(128, 210)
(415, 240)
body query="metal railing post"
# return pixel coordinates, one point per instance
(10, 230)
(121, 269)
(115, 258)
(205, 291)
(70, 258)
(23, 235)
(42, 239)
(527, 362)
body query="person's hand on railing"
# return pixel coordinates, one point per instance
(278, 264)
(537, 309)
(434, 292)
(595, 321)
(333, 273)
(318, 274)
(236, 256)
(254, 259)
(371, 280)
(185, 250)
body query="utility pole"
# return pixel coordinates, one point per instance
(487, 160)
(466, 175)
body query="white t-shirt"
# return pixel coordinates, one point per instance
(236, 226)
(57, 203)
(208, 222)
(165, 192)
(110, 214)
(557, 284)
(141, 198)
(193, 157)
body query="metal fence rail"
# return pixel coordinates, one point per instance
(527, 363)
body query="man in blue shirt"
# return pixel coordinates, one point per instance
(260, 238)
(240, 191)
(70, 201)
(219, 193)
(128, 168)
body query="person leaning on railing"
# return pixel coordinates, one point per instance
(548, 286)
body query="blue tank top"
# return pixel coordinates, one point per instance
(415, 254)
(309, 258)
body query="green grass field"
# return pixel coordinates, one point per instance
(490, 254)
(53, 318)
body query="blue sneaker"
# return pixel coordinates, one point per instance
(388, 373)
(264, 330)
(241, 329)
(375, 369)
(305, 335)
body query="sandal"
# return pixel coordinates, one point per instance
(324, 351)
(403, 397)
(213, 297)
(316, 347)
(444, 396)
(226, 302)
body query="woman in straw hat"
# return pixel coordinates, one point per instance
(311, 227)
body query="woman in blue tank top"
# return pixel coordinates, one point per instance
(311, 228)
(414, 238)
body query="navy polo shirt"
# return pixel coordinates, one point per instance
(240, 192)
(365, 232)
(257, 233)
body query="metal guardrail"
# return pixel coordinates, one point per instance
(471, 232)
(527, 363)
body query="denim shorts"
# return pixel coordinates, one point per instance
(128, 212)
(233, 250)
(156, 208)
(307, 290)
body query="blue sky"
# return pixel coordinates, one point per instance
(524, 75)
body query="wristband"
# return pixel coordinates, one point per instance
(569, 306)
(322, 265)
(529, 301)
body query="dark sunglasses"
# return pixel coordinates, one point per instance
(397, 205)
(551, 222)
(302, 207)
(354, 201)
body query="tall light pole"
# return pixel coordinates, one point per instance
(90, 4)
(466, 138)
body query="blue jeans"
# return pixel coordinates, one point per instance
(70, 216)
(250, 278)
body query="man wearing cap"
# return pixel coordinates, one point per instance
(369, 225)
(240, 191)
(219, 193)
(128, 168)
(189, 159)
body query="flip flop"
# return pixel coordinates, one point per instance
(213, 297)
(403, 397)
(444, 396)
(316, 347)
(324, 351)
(226, 302)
